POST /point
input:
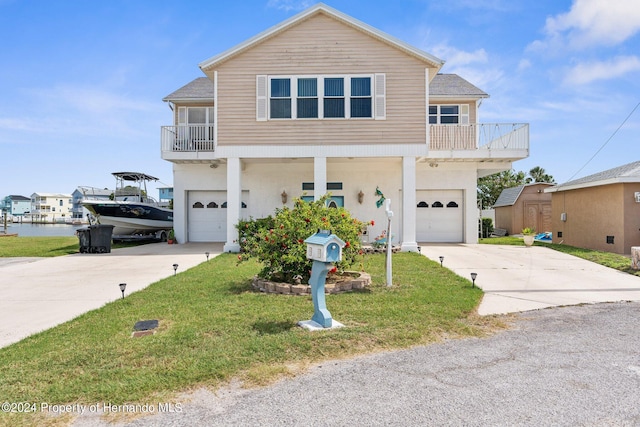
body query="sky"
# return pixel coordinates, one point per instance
(82, 83)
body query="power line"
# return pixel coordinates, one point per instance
(605, 143)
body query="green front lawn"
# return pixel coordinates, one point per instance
(214, 327)
(45, 246)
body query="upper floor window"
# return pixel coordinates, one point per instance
(448, 114)
(195, 115)
(321, 97)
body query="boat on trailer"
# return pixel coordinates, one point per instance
(131, 210)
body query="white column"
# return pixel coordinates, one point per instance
(409, 205)
(319, 177)
(234, 201)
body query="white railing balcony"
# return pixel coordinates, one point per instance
(483, 138)
(188, 138)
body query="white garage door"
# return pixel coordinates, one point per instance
(207, 220)
(439, 216)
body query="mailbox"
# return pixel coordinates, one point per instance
(324, 247)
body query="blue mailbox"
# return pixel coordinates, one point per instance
(324, 247)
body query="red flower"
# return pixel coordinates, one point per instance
(324, 218)
(373, 223)
(333, 270)
(300, 241)
(307, 220)
(266, 238)
(281, 226)
(240, 257)
(347, 244)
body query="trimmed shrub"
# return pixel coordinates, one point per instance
(278, 241)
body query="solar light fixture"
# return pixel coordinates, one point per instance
(441, 259)
(122, 288)
(473, 279)
(207, 254)
(175, 269)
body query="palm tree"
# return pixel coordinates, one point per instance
(538, 174)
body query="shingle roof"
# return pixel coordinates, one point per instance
(442, 85)
(451, 85)
(625, 173)
(16, 197)
(199, 89)
(508, 196)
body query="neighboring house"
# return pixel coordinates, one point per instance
(78, 211)
(524, 206)
(600, 211)
(165, 196)
(16, 206)
(325, 103)
(51, 207)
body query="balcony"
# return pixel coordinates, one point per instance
(503, 141)
(473, 142)
(187, 142)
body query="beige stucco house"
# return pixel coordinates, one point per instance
(325, 103)
(524, 206)
(600, 211)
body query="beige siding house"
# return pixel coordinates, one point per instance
(524, 206)
(600, 211)
(51, 207)
(325, 103)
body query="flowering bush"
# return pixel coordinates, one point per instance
(278, 241)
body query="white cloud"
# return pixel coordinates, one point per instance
(455, 57)
(288, 5)
(524, 64)
(592, 23)
(587, 72)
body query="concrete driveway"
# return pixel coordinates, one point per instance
(39, 293)
(517, 278)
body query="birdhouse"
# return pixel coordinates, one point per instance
(324, 247)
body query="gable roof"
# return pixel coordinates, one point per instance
(442, 86)
(509, 196)
(629, 173)
(19, 198)
(200, 89)
(321, 8)
(453, 86)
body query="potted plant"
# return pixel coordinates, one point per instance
(528, 234)
(171, 238)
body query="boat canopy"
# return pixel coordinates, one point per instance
(134, 176)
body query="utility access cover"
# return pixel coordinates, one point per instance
(145, 325)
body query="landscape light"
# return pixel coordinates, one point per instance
(175, 269)
(207, 254)
(473, 279)
(122, 288)
(441, 259)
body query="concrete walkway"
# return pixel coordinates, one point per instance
(39, 293)
(517, 278)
